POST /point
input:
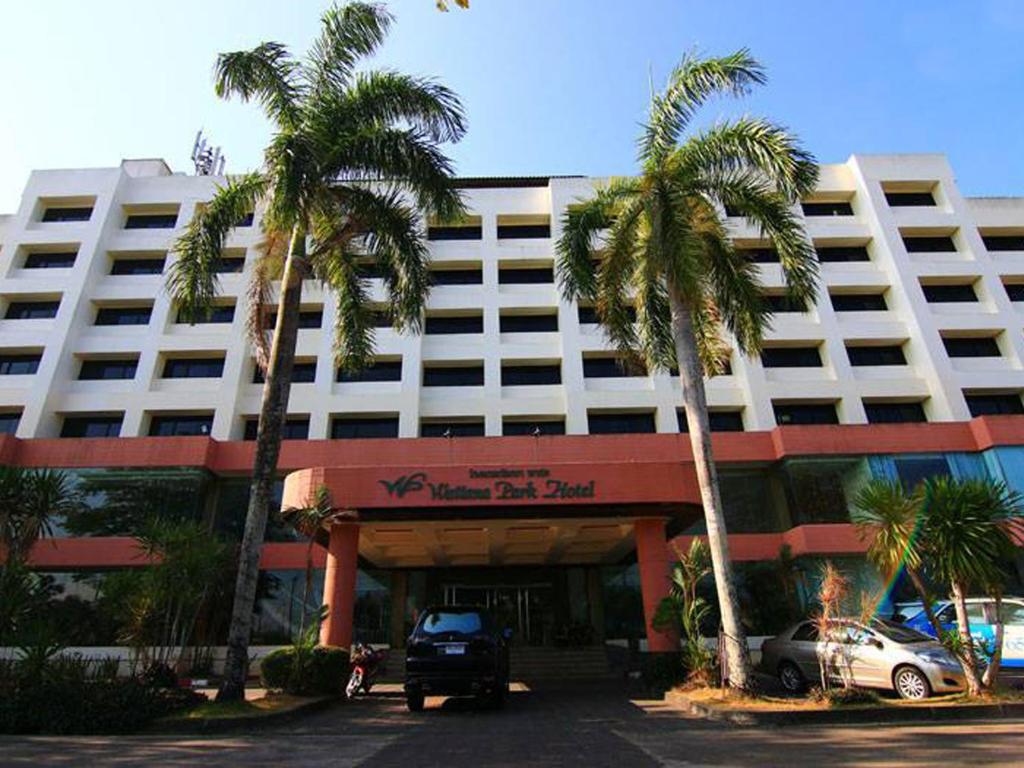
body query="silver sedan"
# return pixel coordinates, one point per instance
(876, 654)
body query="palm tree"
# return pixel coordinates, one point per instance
(353, 163)
(966, 528)
(665, 250)
(309, 521)
(30, 499)
(889, 518)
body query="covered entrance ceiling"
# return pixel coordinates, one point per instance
(506, 541)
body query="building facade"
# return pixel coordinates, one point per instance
(504, 456)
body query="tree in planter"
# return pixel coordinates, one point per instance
(889, 518)
(353, 162)
(966, 529)
(657, 242)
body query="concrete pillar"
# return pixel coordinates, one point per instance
(340, 584)
(653, 561)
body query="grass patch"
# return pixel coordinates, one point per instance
(267, 705)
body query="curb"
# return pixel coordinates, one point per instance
(207, 725)
(779, 719)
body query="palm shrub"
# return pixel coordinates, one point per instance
(353, 162)
(658, 243)
(966, 526)
(685, 607)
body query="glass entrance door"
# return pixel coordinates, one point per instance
(521, 607)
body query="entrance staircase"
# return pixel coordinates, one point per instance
(536, 665)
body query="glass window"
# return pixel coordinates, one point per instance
(432, 428)
(31, 310)
(451, 622)
(791, 357)
(516, 323)
(97, 370)
(380, 370)
(588, 315)
(805, 413)
(140, 266)
(9, 422)
(779, 303)
(455, 233)
(832, 208)
(909, 199)
(834, 254)
(894, 413)
(525, 275)
(292, 429)
(806, 633)
(20, 364)
(229, 264)
(194, 368)
(123, 315)
(858, 302)
(536, 427)
(994, 404)
(523, 231)
(927, 244)
(1003, 242)
(720, 421)
(913, 470)
(303, 372)
(180, 426)
(92, 426)
(759, 255)
(606, 367)
(471, 276)
(1012, 613)
(1015, 291)
(50, 260)
(74, 213)
(449, 324)
(530, 375)
(876, 355)
(151, 221)
(971, 346)
(221, 313)
(818, 490)
(620, 423)
(364, 427)
(453, 376)
(949, 294)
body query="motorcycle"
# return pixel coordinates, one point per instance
(366, 663)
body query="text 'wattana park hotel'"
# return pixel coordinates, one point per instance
(505, 456)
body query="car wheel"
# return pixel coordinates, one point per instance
(414, 701)
(791, 677)
(910, 683)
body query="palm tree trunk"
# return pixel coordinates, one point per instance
(915, 579)
(967, 658)
(268, 444)
(691, 374)
(991, 675)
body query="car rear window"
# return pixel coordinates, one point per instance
(458, 622)
(897, 632)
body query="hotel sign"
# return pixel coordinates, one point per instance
(502, 484)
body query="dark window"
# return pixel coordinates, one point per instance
(97, 370)
(180, 426)
(967, 346)
(719, 421)
(19, 365)
(369, 270)
(123, 315)
(9, 423)
(805, 413)
(455, 233)
(532, 275)
(229, 264)
(894, 413)
(842, 253)
(513, 427)
(380, 370)
(382, 318)
(220, 313)
(673, 371)
(364, 427)
(610, 368)
(194, 368)
(858, 302)
(588, 315)
(447, 324)
(791, 357)
(513, 323)
(1003, 242)
(834, 208)
(91, 426)
(1015, 291)
(732, 211)
(938, 294)
(50, 260)
(909, 199)
(875, 355)
(928, 244)
(759, 255)
(457, 276)
(452, 428)
(523, 231)
(994, 405)
(151, 221)
(308, 318)
(137, 266)
(453, 376)
(247, 220)
(31, 310)
(528, 375)
(781, 302)
(303, 372)
(293, 429)
(82, 213)
(806, 633)
(620, 423)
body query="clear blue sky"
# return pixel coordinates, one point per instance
(550, 86)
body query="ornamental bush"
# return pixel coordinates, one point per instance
(319, 671)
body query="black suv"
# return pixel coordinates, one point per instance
(456, 650)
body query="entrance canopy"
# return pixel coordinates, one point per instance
(526, 514)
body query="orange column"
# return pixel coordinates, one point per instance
(653, 561)
(340, 584)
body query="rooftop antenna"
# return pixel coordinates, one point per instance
(208, 160)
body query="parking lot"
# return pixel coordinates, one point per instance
(584, 726)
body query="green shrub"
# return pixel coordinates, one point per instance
(320, 671)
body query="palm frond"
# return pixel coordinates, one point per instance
(258, 294)
(268, 74)
(691, 84)
(711, 347)
(192, 281)
(348, 33)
